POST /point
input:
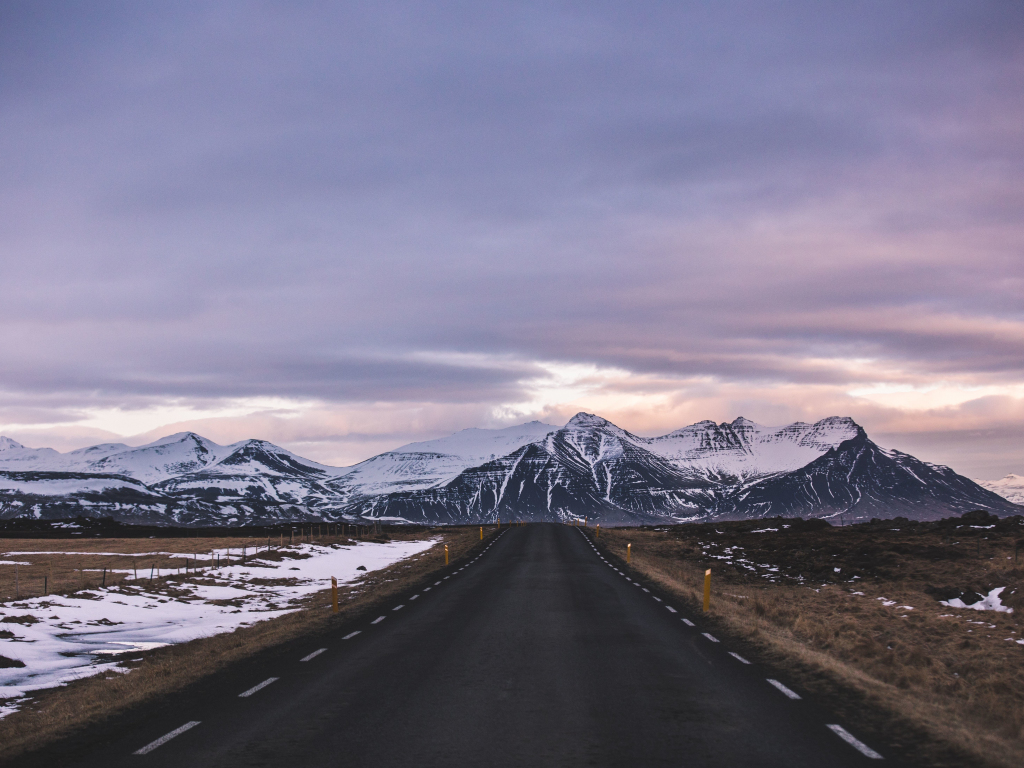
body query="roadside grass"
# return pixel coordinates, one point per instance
(57, 713)
(955, 674)
(83, 561)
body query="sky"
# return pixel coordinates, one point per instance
(345, 226)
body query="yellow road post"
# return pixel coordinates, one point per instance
(481, 533)
(598, 531)
(334, 594)
(707, 590)
(446, 554)
(629, 553)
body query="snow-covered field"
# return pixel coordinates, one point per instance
(60, 638)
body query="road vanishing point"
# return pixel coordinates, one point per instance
(534, 651)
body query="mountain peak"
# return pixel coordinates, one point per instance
(583, 419)
(6, 444)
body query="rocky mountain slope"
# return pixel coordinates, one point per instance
(590, 467)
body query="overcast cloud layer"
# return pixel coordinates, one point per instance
(343, 226)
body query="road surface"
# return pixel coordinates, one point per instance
(537, 652)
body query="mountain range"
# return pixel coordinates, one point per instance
(533, 471)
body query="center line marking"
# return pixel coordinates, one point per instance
(645, 589)
(413, 597)
(378, 620)
(738, 658)
(656, 598)
(791, 694)
(165, 738)
(427, 589)
(670, 608)
(853, 741)
(437, 583)
(398, 608)
(313, 655)
(688, 623)
(350, 635)
(259, 687)
(710, 637)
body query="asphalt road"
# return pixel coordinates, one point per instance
(535, 653)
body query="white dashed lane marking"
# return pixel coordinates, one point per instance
(350, 635)
(790, 693)
(259, 687)
(688, 623)
(710, 637)
(670, 608)
(413, 597)
(378, 620)
(854, 742)
(166, 737)
(398, 608)
(656, 598)
(738, 658)
(313, 655)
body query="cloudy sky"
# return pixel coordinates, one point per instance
(344, 226)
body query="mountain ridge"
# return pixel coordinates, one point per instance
(535, 471)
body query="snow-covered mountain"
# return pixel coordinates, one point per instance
(704, 472)
(532, 471)
(432, 463)
(1010, 487)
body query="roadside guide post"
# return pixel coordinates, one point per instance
(334, 594)
(481, 533)
(629, 553)
(707, 590)
(598, 531)
(446, 554)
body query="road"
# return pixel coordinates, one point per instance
(537, 652)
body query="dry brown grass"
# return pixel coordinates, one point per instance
(950, 672)
(57, 713)
(82, 564)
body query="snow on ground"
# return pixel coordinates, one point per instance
(990, 602)
(63, 638)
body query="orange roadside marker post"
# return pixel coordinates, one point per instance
(707, 590)
(629, 553)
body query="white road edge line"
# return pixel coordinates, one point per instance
(854, 742)
(167, 737)
(710, 637)
(378, 620)
(738, 658)
(313, 655)
(350, 635)
(791, 694)
(688, 623)
(259, 687)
